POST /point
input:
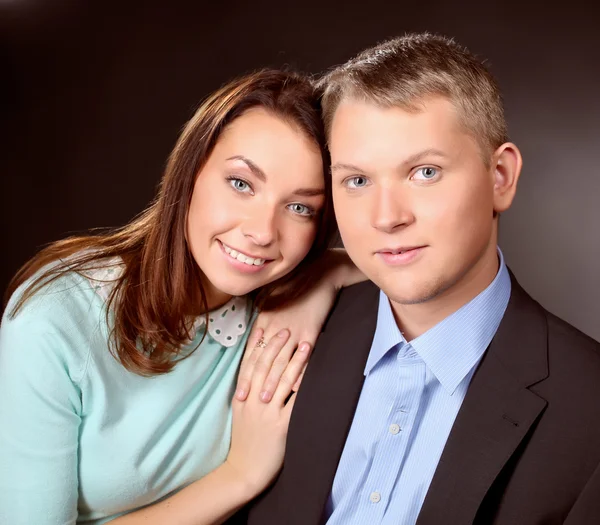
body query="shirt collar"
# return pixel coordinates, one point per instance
(453, 347)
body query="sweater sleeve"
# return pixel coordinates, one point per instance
(40, 414)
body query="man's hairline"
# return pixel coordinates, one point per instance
(412, 106)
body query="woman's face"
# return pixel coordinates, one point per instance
(254, 210)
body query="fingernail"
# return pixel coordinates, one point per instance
(303, 347)
(240, 393)
(283, 333)
(265, 396)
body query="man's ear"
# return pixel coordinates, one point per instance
(506, 167)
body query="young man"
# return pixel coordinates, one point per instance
(440, 393)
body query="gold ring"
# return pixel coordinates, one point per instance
(261, 343)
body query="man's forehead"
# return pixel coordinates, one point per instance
(355, 106)
(363, 118)
(359, 123)
(366, 134)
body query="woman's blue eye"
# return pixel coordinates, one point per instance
(356, 182)
(427, 173)
(300, 209)
(240, 185)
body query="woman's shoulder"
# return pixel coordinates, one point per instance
(63, 318)
(67, 293)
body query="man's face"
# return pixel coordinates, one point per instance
(413, 199)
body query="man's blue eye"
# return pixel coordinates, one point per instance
(428, 173)
(357, 182)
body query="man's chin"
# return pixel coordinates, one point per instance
(409, 299)
(409, 296)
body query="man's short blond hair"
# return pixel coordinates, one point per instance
(405, 71)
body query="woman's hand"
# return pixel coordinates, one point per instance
(260, 429)
(304, 318)
(257, 447)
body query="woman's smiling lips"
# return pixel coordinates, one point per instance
(242, 261)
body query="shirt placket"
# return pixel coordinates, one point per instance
(401, 392)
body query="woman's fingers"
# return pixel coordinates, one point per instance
(292, 373)
(272, 359)
(280, 363)
(262, 362)
(256, 334)
(299, 380)
(253, 347)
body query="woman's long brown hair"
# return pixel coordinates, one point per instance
(161, 284)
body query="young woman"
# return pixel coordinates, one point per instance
(119, 352)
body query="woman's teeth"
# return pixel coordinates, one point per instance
(242, 258)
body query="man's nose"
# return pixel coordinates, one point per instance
(391, 209)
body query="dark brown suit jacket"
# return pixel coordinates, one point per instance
(525, 446)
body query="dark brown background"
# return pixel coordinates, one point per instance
(93, 95)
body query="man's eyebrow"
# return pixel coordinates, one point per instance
(429, 152)
(253, 167)
(413, 159)
(348, 167)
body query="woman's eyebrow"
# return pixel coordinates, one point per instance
(309, 192)
(301, 192)
(253, 167)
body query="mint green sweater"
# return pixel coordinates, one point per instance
(83, 440)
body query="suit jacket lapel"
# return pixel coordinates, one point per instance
(495, 417)
(325, 405)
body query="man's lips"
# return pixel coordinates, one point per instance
(401, 255)
(399, 250)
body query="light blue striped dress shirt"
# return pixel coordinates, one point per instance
(408, 404)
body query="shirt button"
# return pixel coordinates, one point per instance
(375, 497)
(394, 429)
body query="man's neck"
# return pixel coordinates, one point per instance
(415, 319)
